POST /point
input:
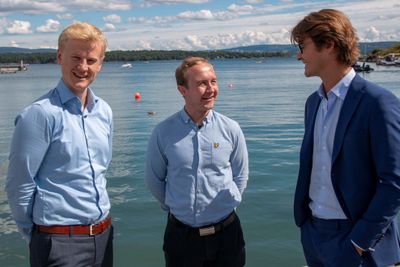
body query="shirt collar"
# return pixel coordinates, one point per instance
(66, 95)
(186, 118)
(341, 88)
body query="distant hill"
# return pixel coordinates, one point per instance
(287, 48)
(365, 48)
(25, 50)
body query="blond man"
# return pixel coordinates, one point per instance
(60, 151)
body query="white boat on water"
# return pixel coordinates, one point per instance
(126, 66)
(388, 60)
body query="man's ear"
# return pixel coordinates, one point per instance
(182, 89)
(330, 45)
(59, 56)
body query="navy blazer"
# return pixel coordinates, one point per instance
(365, 167)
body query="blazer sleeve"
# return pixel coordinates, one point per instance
(385, 148)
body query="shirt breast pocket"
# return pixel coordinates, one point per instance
(221, 153)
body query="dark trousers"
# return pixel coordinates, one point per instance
(184, 247)
(72, 250)
(326, 244)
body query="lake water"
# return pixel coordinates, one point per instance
(266, 98)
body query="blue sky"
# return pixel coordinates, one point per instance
(186, 24)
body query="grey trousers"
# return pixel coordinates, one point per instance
(72, 250)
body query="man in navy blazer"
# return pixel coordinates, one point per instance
(348, 190)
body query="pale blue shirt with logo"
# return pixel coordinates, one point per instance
(58, 160)
(324, 203)
(197, 174)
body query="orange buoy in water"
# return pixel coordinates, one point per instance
(137, 96)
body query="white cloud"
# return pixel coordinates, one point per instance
(372, 34)
(113, 18)
(225, 15)
(199, 15)
(203, 27)
(30, 7)
(14, 44)
(138, 20)
(66, 16)
(56, 6)
(108, 27)
(195, 42)
(50, 26)
(240, 9)
(169, 2)
(253, 1)
(19, 27)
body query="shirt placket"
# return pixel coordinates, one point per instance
(85, 118)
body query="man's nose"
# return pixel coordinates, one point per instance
(299, 55)
(83, 64)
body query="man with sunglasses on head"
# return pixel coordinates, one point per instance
(348, 190)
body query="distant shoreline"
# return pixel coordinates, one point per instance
(126, 56)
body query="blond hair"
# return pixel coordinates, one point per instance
(82, 31)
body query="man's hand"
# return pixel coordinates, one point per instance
(359, 250)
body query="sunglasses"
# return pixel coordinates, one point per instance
(301, 47)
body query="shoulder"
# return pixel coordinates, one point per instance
(373, 92)
(44, 107)
(169, 123)
(104, 106)
(225, 122)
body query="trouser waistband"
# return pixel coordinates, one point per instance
(207, 229)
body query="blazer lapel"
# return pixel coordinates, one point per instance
(308, 142)
(351, 101)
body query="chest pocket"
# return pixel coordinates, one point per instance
(221, 153)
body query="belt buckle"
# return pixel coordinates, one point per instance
(207, 231)
(91, 229)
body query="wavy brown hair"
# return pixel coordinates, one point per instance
(329, 25)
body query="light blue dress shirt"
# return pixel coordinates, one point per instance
(198, 175)
(58, 161)
(324, 203)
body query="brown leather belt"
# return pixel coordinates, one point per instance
(93, 229)
(205, 230)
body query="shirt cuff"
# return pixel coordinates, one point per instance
(354, 243)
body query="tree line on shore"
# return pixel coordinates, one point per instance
(143, 55)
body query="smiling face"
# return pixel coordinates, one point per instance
(80, 62)
(200, 91)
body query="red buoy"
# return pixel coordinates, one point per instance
(137, 96)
